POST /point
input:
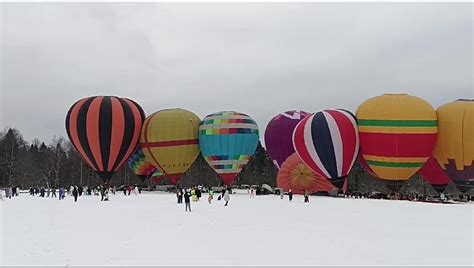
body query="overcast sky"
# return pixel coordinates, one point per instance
(260, 59)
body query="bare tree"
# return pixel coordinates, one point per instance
(57, 158)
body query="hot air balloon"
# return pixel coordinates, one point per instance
(328, 143)
(278, 135)
(397, 136)
(455, 144)
(228, 140)
(295, 175)
(169, 139)
(140, 165)
(105, 131)
(434, 175)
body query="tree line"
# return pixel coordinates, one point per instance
(55, 164)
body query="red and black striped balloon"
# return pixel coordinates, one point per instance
(105, 130)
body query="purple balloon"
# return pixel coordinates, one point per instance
(278, 135)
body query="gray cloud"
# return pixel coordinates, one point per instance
(257, 58)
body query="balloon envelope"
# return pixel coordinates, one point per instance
(434, 175)
(105, 131)
(397, 134)
(278, 135)
(169, 139)
(295, 175)
(228, 140)
(328, 143)
(140, 165)
(455, 144)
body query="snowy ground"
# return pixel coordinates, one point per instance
(151, 229)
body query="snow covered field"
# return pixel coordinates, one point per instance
(151, 229)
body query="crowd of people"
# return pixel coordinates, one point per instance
(74, 190)
(194, 194)
(10, 191)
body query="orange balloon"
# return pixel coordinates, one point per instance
(295, 175)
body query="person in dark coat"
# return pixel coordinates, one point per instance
(80, 190)
(32, 192)
(290, 195)
(42, 192)
(61, 193)
(187, 200)
(306, 196)
(125, 190)
(75, 193)
(179, 195)
(14, 192)
(102, 193)
(53, 192)
(223, 192)
(198, 193)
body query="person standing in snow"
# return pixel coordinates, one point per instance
(129, 189)
(13, 191)
(179, 195)
(102, 193)
(226, 197)
(53, 192)
(442, 197)
(211, 196)
(61, 191)
(198, 193)
(7, 193)
(135, 190)
(75, 193)
(187, 200)
(252, 193)
(306, 196)
(106, 193)
(80, 190)
(290, 195)
(223, 192)
(193, 194)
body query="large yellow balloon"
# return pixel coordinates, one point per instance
(455, 144)
(397, 134)
(169, 138)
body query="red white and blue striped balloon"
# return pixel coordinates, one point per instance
(328, 143)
